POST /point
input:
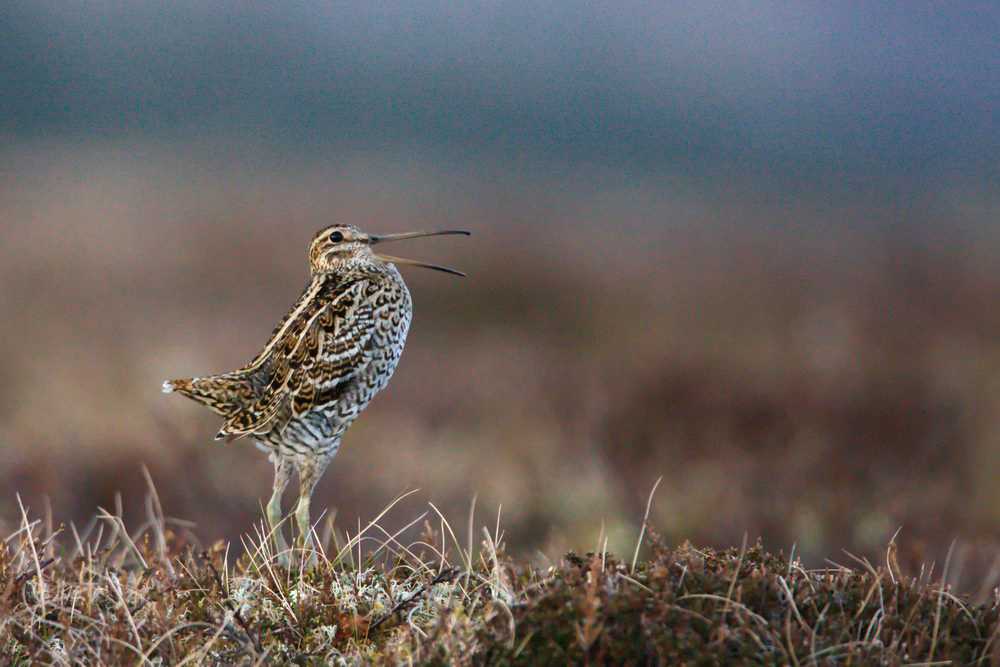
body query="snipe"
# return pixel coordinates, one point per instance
(334, 350)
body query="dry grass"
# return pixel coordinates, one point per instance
(154, 595)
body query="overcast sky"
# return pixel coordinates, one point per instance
(811, 90)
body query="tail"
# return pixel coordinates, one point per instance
(222, 394)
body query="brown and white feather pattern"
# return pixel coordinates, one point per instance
(334, 350)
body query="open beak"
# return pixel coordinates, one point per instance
(373, 240)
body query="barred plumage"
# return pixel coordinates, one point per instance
(335, 349)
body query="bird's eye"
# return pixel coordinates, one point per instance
(336, 237)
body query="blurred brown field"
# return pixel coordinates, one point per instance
(816, 383)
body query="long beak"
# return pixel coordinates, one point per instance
(413, 262)
(373, 239)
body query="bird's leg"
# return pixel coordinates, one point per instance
(309, 474)
(282, 474)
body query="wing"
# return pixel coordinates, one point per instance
(228, 393)
(316, 294)
(314, 354)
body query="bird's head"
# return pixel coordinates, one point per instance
(342, 247)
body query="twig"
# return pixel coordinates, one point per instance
(119, 526)
(254, 639)
(116, 586)
(940, 600)
(444, 576)
(34, 554)
(645, 521)
(155, 512)
(736, 574)
(28, 574)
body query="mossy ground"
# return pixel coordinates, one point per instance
(154, 597)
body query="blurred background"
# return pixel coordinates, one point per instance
(750, 247)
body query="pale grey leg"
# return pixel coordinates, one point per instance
(282, 474)
(309, 475)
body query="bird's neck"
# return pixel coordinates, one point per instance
(356, 269)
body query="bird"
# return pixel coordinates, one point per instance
(337, 347)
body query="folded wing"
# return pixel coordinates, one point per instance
(314, 352)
